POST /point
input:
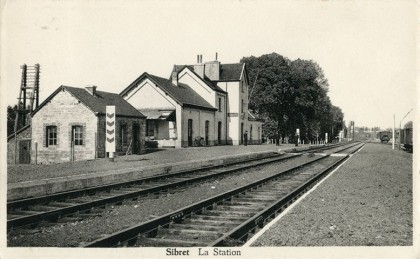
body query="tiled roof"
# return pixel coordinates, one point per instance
(211, 84)
(181, 93)
(98, 102)
(231, 72)
(228, 72)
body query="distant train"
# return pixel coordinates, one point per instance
(406, 137)
(384, 136)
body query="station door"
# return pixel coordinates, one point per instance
(25, 151)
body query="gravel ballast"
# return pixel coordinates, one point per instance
(73, 234)
(366, 202)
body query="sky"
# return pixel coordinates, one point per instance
(366, 48)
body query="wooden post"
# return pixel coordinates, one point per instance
(96, 145)
(72, 151)
(36, 153)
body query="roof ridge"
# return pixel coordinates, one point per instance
(94, 104)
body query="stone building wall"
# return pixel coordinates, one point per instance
(24, 134)
(63, 111)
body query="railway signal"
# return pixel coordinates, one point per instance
(110, 131)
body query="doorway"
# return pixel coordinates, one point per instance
(136, 138)
(25, 151)
(242, 133)
(206, 132)
(190, 133)
(219, 132)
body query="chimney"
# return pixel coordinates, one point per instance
(199, 67)
(174, 77)
(91, 89)
(212, 70)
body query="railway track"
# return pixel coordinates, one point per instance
(79, 204)
(230, 218)
(349, 148)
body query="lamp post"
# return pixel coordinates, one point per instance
(401, 122)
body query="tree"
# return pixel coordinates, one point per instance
(345, 130)
(337, 120)
(292, 94)
(310, 89)
(409, 124)
(11, 117)
(271, 94)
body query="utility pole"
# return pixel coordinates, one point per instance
(393, 134)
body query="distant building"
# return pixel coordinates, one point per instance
(70, 125)
(205, 100)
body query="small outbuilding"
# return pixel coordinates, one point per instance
(70, 125)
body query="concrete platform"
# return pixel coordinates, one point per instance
(136, 167)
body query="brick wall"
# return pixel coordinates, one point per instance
(63, 111)
(24, 134)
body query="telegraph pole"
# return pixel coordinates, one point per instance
(393, 134)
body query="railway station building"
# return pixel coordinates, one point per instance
(70, 126)
(207, 101)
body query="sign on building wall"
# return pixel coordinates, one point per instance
(110, 129)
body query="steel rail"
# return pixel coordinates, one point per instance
(22, 203)
(130, 235)
(241, 232)
(340, 150)
(91, 190)
(55, 214)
